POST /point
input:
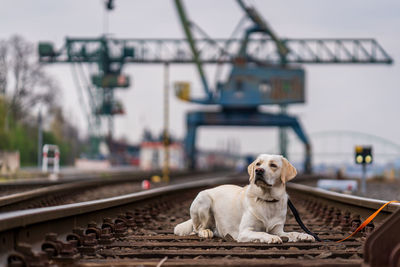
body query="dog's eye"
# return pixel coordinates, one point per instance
(258, 163)
(272, 165)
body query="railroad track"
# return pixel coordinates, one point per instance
(84, 188)
(23, 185)
(8, 187)
(136, 230)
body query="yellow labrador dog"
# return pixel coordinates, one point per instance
(254, 213)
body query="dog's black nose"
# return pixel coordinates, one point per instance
(259, 171)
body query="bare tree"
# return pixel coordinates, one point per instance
(3, 67)
(30, 85)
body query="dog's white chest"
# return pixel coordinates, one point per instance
(269, 213)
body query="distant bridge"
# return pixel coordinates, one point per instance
(338, 147)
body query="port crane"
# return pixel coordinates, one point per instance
(273, 79)
(266, 70)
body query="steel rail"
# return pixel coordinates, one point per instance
(85, 176)
(15, 201)
(68, 178)
(24, 185)
(362, 205)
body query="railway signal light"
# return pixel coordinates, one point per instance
(363, 154)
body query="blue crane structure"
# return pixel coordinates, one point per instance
(258, 81)
(265, 71)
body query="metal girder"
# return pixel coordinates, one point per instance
(237, 117)
(151, 51)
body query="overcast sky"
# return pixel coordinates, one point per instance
(361, 98)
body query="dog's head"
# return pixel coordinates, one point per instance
(269, 170)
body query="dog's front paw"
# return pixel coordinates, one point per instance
(307, 237)
(269, 239)
(296, 237)
(206, 233)
(259, 237)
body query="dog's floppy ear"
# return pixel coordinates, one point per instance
(251, 171)
(288, 171)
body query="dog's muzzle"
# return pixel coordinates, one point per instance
(261, 179)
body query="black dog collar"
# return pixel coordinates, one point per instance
(268, 200)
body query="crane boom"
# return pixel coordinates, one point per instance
(263, 26)
(196, 55)
(177, 51)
